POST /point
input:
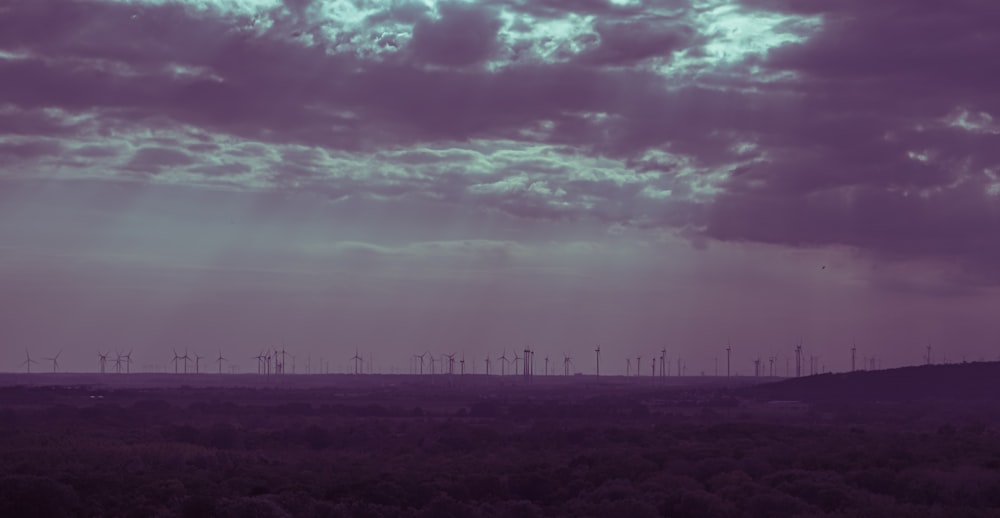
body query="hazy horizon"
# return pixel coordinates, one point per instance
(327, 176)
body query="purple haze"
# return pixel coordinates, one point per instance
(469, 177)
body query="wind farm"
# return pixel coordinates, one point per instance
(185, 366)
(424, 426)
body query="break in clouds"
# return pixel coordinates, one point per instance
(858, 123)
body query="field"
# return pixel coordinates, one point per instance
(439, 446)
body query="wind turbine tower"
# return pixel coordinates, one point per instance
(28, 361)
(55, 361)
(597, 350)
(260, 363)
(357, 362)
(729, 352)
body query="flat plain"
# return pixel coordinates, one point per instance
(860, 444)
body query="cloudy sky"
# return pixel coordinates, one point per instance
(409, 176)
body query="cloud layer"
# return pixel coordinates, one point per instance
(865, 124)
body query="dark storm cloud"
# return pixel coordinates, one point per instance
(625, 43)
(29, 123)
(153, 160)
(842, 138)
(464, 35)
(11, 152)
(268, 87)
(603, 8)
(872, 161)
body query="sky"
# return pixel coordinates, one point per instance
(395, 177)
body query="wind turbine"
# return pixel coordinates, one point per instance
(260, 363)
(487, 360)
(421, 356)
(462, 361)
(220, 359)
(567, 361)
(102, 360)
(503, 362)
(54, 360)
(357, 361)
(729, 353)
(128, 361)
(638, 366)
(798, 360)
(177, 358)
(597, 372)
(28, 361)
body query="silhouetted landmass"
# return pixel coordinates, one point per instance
(960, 382)
(440, 447)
